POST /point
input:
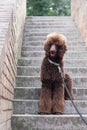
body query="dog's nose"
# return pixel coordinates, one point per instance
(53, 51)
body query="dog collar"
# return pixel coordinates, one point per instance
(54, 63)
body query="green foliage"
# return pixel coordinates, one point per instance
(38, 7)
(48, 7)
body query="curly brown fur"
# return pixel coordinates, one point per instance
(68, 81)
(52, 91)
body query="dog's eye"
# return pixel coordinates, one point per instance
(59, 47)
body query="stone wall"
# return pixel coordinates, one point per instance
(12, 18)
(79, 15)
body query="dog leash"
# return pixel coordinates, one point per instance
(62, 77)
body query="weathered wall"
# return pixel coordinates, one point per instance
(79, 15)
(12, 17)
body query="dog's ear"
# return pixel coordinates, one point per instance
(62, 42)
(65, 47)
(47, 43)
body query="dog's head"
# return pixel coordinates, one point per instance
(55, 46)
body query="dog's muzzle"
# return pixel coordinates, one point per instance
(52, 53)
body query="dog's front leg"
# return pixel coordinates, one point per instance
(45, 98)
(58, 98)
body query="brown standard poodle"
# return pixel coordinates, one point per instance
(52, 91)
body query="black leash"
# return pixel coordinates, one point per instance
(61, 75)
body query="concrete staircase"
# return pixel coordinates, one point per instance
(27, 90)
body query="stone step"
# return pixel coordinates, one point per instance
(32, 107)
(34, 81)
(48, 18)
(46, 33)
(50, 22)
(50, 30)
(41, 48)
(48, 122)
(33, 93)
(67, 34)
(40, 43)
(68, 54)
(42, 38)
(35, 71)
(36, 38)
(67, 62)
(45, 17)
(57, 25)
